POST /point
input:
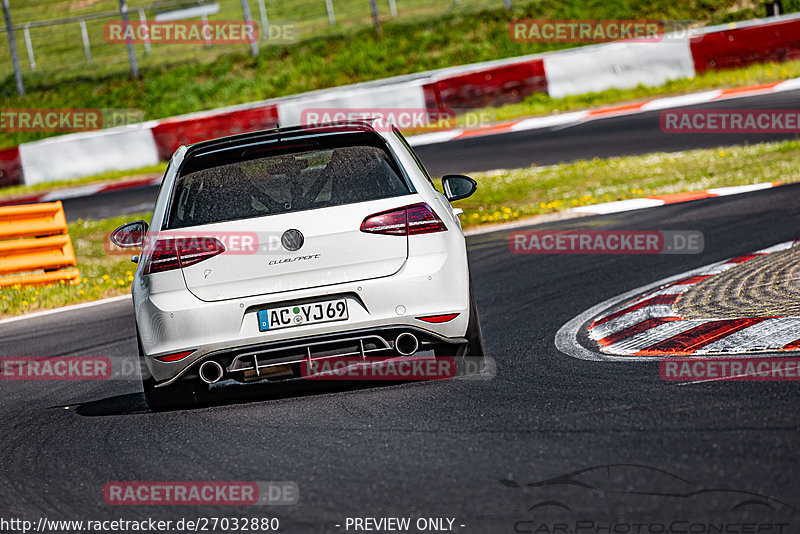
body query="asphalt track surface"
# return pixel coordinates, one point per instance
(428, 449)
(613, 136)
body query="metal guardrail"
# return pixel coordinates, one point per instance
(35, 247)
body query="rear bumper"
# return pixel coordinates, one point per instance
(175, 321)
(266, 361)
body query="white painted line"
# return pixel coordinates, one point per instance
(62, 194)
(73, 307)
(535, 123)
(788, 85)
(433, 138)
(620, 205)
(680, 101)
(719, 267)
(777, 248)
(737, 189)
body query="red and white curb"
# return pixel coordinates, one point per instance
(673, 198)
(82, 191)
(641, 325)
(578, 117)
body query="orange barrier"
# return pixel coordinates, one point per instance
(35, 247)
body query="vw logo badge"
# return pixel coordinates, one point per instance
(292, 240)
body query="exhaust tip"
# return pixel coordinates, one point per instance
(211, 372)
(406, 344)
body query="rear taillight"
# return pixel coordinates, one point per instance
(171, 254)
(409, 220)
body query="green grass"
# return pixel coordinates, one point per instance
(102, 274)
(176, 84)
(60, 47)
(502, 196)
(506, 195)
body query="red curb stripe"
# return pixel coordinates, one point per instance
(652, 301)
(794, 345)
(691, 280)
(22, 200)
(743, 258)
(502, 128)
(674, 198)
(616, 110)
(635, 329)
(698, 337)
(755, 89)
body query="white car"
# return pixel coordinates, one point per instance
(270, 249)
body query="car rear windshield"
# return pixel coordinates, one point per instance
(240, 183)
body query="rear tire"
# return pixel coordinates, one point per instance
(471, 357)
(184, 393)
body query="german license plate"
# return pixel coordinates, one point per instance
(300, 314)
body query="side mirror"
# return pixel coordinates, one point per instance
(130, 235)
(458, 186)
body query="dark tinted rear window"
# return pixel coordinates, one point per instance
(280, 179)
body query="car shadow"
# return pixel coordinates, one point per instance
(226, 394)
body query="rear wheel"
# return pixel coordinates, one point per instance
(184, 393)
(469, 357)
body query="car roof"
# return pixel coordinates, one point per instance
(280, 134)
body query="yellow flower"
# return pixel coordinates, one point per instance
(105, 277)
(128, 273)
(80, 292)
(121, 282)
(24, 302)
